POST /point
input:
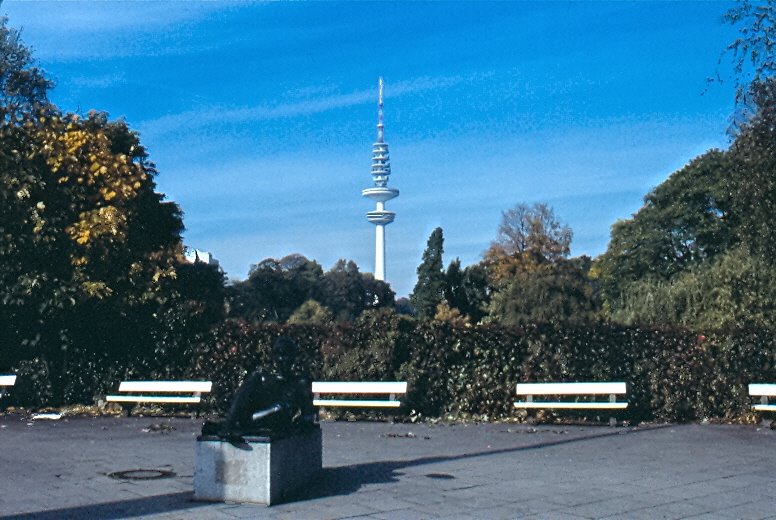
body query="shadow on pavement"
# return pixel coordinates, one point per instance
(344, 480)
(119, 509)
(333, 481)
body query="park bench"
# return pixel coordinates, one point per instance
(764, 392)
(572, 392)
(362, 389)
(174, 392)
(6, 382)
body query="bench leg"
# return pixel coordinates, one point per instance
(612, 419)
(126, 410)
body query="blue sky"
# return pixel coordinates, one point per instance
(261, 116)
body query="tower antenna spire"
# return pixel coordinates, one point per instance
(380, 86)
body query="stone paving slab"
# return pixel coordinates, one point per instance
(373, 470)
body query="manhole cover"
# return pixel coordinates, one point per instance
(141, 474)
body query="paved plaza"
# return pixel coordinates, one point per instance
(59, 469)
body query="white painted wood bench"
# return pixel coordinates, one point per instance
(6, 382)
(589, 391)
(172, 392)
(391, 389)
(764, 391)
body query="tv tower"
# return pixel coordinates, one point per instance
(381, 170)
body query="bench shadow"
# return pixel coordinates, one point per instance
(129, 508)
(344, 480)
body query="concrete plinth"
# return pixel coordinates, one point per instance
(259, 470)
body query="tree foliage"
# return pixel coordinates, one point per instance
(529, 278)
(429, 290)
(558, 292)
(467, 290)
(535, 230)
(276, 289)
(735, 291)
(685, 221)
(81, 220)
(754, 50)
(752, 179)
(23, 85)
(685, 256)
(91, 260)
(311, 313)
(347, 292)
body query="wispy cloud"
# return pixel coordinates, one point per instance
(200, 118)
(85, 30)
(89, 17)
(100, 81)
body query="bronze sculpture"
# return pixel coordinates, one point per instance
(269, 403)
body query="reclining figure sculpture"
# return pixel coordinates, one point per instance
(269, 403)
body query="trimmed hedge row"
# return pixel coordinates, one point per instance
(457, 372)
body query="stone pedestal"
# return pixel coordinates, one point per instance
(259, 470)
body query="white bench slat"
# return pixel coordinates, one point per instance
(182, 399)
(570, 388)
(360, 387)
(764, 407)
(762, 389)
(359, 403)
(573, 405)
(390, 388)
(165, 386)
(7, 380)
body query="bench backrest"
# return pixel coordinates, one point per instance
(357, 387)
(762, 389)
(165, 386)
(570, 388)
(7, 380)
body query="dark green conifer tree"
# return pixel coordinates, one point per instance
(430, 288)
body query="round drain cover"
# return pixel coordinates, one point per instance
(141, 474)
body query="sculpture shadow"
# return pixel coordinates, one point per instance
(344, 480)
(130, 508)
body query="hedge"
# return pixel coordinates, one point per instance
(453, 372)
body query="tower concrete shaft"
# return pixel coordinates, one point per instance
(380, 193)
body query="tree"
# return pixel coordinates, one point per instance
(685, 221)
(275, 289)
(528, 277)
(313, 313)
(664, 265)
(708, 217)
(528, 237)
(752, 179)
(557, 291)
(754, 51)
(454, 295)
(535, 230)
(23, 86)
(736, 290)
(92, 274)
(81, 221)
(467, 290)
(451, 315)
(347, 292)
(430, 287)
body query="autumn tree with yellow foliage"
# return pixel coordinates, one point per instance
(91, 258)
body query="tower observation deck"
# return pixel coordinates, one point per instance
(380, 193)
